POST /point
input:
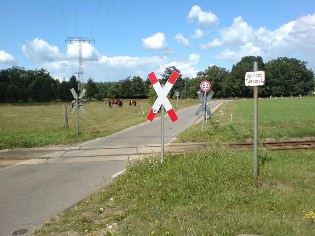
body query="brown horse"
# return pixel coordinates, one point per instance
(133, 102)
(117, 102)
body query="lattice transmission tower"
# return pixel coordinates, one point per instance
(79, 40)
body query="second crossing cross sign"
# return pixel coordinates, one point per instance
(162, 96)
(77, 98)
(204, 103)
(77, 105)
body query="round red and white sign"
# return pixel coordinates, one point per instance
(205, 85)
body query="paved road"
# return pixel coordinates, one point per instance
(36, 190)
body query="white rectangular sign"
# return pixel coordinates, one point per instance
(255, 78)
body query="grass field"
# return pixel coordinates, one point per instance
(42, 124)
(211, 192)
(278, 119)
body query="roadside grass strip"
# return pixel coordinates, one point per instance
(209, 192)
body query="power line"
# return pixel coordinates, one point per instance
(107, 14)
(53, 18)
(75, 21)
(119, 14)
(95, 16)
(63, 14)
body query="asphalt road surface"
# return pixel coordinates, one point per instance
(33, 191)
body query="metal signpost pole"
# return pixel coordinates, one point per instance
(255, 164)
(204, 111)
(255, 79)
(77, 104)
(162, 134)
(205, 108)
(204, 86)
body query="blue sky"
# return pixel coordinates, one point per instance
(136, 37)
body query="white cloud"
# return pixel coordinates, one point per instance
(6, 58)
(61, 69)
(194, 58)
(213, 44)
(39, 51)
(120, 67)
(239, 33)
(198, 34)
(186, 67)
(180, 38)
(107, 68)
(103, 68)
(131, 62)
(88, 51)
(295, 38)
(244, 50)
(155, 42)
(204, 19)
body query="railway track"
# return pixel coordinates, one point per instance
(278, 145)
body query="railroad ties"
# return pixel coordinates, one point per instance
(278, 145)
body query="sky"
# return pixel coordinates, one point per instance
(122, 38)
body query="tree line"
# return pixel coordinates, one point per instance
(284, 77)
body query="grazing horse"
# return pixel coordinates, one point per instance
(133, 102)
(117, 102)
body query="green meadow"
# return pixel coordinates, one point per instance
(42, 124)
(278, 119)
(211, 191)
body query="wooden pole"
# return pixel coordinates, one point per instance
(66, 115)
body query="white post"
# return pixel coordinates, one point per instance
(162, 134)
(77, 104)
(204, 110)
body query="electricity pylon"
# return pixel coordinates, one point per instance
(79, 40)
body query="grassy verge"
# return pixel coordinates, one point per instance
(203, 193)
(209, 192)
(34, 125)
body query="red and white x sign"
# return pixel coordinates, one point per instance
(162, 96)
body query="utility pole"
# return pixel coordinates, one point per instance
(79, 40)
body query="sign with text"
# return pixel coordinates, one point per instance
(256, 78)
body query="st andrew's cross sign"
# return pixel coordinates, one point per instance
(77, 105)
(77, 98)
(204, 103)
(162, 96)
